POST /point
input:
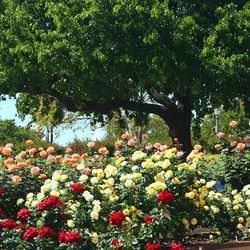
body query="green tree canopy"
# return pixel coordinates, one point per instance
(153, 56)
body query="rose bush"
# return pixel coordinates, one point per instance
(140, 198)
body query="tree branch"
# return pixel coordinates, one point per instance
(108, 106)
(158, 97)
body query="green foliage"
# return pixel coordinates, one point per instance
(237, 169)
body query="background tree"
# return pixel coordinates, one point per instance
(11, 133)
(154, 126)
(161, 57)
(208, 138)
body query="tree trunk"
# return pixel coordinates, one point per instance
(179, 123)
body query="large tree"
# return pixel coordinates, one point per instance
(150, 56)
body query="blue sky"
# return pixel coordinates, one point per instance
(8, 111)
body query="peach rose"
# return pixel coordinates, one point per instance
(76, 156)
(131, 143)
(221, 135)
(197, 147)
(103, 151)
(118, 143)
(32, 151)
(50, 158)
(125, 136)
(233, 124)
(9, 145)
(69, 150)
(16, 179)
(157, 145)
(117, 154)
(91, 145)
(84, 156)
(240, 146)
(51, 150)
(217, 146)
(35, 170)
(43, 153)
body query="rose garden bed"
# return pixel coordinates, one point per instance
(144, 197)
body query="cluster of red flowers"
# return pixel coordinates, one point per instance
(46, 232)
(165, 197)
(69, 237)
(8, 223)
(1, 192)
(32, 232)
(176, 246)
(153, 246)
(23, 214)
(50, 203)
(148, 219)
(1, 212)
(116, 243)
(77, 188)
(116, 218)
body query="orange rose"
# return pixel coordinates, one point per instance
(21, 164)
(217, 146)
(28, 161)
(58, 158)
(42, 176)
(7, 151)
(29, 142)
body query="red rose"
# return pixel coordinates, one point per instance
(1, 212)
(116, 218)
(148, 219)
(115, 243)
(50, 203)
(175, 246)
(23, 214)
(69, 237)
(1, 192)
(165, 197)
(153, 246)
(77, 188)
(46, 232)
(19, 227)
(9, 224)
(30, 233)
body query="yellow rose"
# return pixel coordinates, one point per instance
(194, 221)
